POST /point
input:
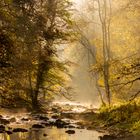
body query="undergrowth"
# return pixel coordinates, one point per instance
(125, 116)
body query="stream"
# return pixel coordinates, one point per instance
(48, 126)
(53, 134)
(55, 131)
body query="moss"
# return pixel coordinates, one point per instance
(135, 129)
(122, 117)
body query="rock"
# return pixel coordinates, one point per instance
(18, 122)
(70, 126)
(1, 116)
(55, 110)
(37, 126)
(80, 127)
(40, 117)
(9, 132)
(20, 130)
(10, 128)
(55, 117)
(107, 137)
(45, 135)
(46, 124)
(24, 119)
(13, 119)
(60, 124)
(51, 123)
(90, 128)
(43, 118)
(1, 131)
(67, 115)
(4, 121)
(70, 131)
(2, 127)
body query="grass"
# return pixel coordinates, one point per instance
(124, 118)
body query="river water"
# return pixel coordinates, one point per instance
(53, 134)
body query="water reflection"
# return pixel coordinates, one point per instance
(52, 134)
(56, 134)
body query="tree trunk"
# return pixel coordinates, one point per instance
(105, 22)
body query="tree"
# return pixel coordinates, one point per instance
(37, 29)
(109, 32)
(104, 16)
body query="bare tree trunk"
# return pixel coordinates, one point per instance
(99, 90)
(39, 81)
(106, 46)
(30, 84)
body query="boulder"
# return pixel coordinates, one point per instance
(46, 124)
(9, 132)
(1, 131)
(20, 130)
(45, 135)
(55, 116)
(44, 118)
(90, 128)
(13, 119)
(2, 127)
(60, 124)
(24, 119)
(70, 131)
(37, 126)
(107, 137)
(40, 117)
(4, 121)
(80, 127)
(55, 110)
(70, 126)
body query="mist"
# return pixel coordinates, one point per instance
(83, 85)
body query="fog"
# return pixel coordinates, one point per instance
(82, 82)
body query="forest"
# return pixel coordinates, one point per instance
(69, 67)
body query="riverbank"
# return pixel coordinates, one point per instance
(117, 121)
